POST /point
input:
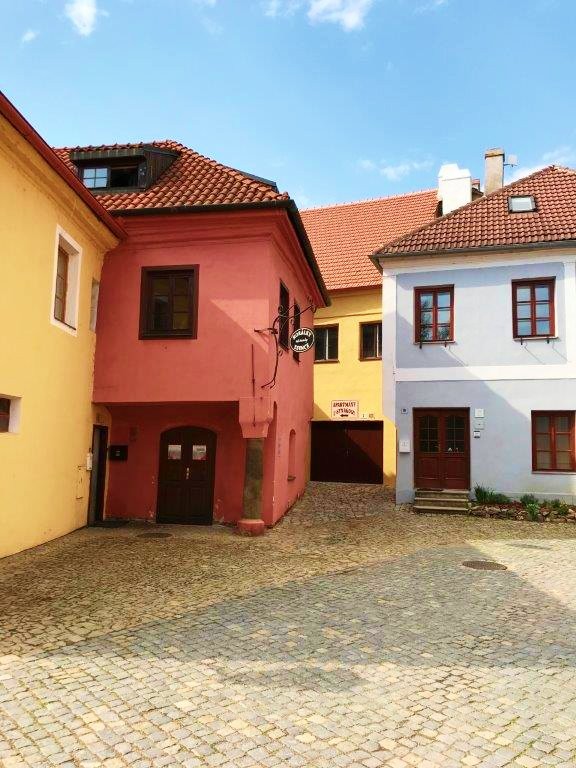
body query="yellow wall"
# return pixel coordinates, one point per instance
(43, 463)
(351, 378)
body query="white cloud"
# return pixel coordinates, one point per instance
(395, 171)
(82, 14)
(28, 36)
(431, 5)
(349, 14)
(564, 155)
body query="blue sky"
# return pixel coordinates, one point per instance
(334, 99)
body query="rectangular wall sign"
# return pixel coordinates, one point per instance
(344, 409)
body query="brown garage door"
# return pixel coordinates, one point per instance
(347, 452)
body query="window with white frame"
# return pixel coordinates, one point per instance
(66, 286)
(9, 413)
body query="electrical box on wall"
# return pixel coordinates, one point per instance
(118, 453)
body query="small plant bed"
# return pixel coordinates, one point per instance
(488, 503)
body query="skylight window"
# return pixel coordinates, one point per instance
(521, 204)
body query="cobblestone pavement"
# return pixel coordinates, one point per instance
(349, 636)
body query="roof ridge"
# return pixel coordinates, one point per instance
(370, 200)
(467, 207)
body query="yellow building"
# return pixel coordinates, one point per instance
(53, 237)
(351, 441)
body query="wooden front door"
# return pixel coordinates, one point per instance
(442, 448)
(186, 476)
(347, 452)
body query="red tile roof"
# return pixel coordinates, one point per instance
(193, 180)
(343, 236)
(487, 223)
(190, 181)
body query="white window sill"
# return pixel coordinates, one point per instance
(65, 327)
(426, 343)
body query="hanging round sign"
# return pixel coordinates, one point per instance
(302, 340)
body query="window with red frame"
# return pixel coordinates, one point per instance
(533, 307)
(553, 441)
(434, 312)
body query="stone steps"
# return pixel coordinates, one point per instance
(441, 502)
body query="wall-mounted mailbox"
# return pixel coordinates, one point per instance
(118, 453)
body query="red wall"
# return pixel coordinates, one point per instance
(133, 484)
(242, 256)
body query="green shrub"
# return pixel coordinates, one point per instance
(499, 498)
(481, 494)
(533, 511)
(528, 498)
(488, 496)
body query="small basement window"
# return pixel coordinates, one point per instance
(4, 414)
(9, 413)
(521, 204)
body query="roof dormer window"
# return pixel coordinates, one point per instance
(121, 169)
(111, 177)
(521, 204)
(95, 178)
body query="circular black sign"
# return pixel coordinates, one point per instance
(302, 340)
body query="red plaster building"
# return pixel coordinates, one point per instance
(209, 409)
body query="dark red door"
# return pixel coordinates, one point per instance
(186, 476)
(442, 448)
(347, 452)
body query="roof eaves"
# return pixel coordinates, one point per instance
(378, 256)
(285, 203)
(20, 124)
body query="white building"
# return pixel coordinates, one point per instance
(479, 340)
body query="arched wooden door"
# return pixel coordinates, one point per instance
(186, 476)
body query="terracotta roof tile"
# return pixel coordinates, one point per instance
(343, 236)
(487, 222)
(191, 180)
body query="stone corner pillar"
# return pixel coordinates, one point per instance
(251, 522)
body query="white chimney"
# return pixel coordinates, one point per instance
(493, 170)
(454, 187)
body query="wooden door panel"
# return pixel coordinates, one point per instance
(365, 449)
(442, 449)
(428, 472)
(186, 476)
(349, 452)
